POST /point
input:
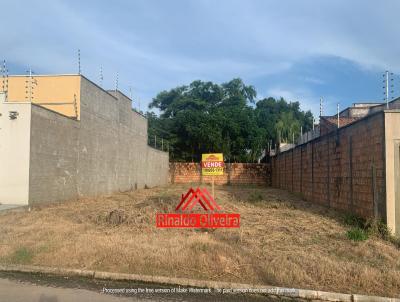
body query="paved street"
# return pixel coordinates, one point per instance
(15, 291)
(40, 288)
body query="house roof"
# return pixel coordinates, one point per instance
(343, 121)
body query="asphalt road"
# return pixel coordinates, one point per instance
(14, 291)
(18, 287)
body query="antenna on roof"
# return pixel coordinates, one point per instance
(101, 76)
(130, 93)
(116, 82)
(79, 61)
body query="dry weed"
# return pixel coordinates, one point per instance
(282, 241)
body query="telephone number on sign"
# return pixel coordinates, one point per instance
(213, 170)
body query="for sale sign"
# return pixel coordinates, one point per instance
(212, 164)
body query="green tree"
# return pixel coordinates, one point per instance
(281, 120)
(206, 117)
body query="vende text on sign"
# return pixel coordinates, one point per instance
(212, 164)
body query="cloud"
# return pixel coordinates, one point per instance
(156, 45)
(307, 99)
(313, 80)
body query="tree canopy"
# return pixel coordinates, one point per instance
(206, 117)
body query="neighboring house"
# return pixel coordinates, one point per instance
(330, 123)
(62, 136)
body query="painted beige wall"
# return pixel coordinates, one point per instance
(60, 89)
(14, 152)
(392, 133)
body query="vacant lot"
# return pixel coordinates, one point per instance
(282, 241)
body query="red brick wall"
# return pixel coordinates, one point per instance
(343, 169)
(235, 173)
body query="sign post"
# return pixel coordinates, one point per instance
(212, 187)
(212, 164)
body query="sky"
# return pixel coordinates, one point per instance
(299, 50)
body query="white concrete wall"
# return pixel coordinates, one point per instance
(14, 152)
(392, 139)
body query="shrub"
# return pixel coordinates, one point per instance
(354, 220)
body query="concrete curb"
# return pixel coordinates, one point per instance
(16, 209)
(273, 290)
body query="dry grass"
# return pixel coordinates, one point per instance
(282, 241)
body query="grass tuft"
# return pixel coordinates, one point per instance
(364, 228)
(357, 234)
(22, 255)
(255, 196)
